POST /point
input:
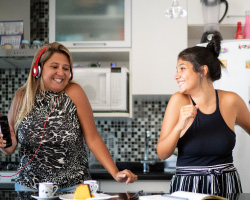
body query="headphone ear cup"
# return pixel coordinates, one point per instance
(70, 76)
(35, 70)
(39, 71)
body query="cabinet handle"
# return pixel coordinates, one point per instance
(89, 44)
(229, 16)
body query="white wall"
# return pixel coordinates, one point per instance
(156, 42)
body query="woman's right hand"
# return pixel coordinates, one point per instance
(186, 113)
(2, 141)
(12, 148)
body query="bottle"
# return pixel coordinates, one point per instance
(36, 44)
(239, 33)
(246, 31)
(25, 44)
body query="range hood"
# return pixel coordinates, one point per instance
(16, 58)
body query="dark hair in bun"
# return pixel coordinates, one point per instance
(200, 56)
(214, 45)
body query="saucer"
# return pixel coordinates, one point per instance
(44, 198)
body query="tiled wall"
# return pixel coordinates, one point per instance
(39, 22)
(129, 133)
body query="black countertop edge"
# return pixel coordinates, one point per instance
(141, 176)
(156, 171)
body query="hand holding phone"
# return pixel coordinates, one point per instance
(4, 125)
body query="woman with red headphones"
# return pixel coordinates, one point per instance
(52, 120)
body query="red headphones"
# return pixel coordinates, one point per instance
(37, 71)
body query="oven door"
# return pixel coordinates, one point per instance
(96, 84)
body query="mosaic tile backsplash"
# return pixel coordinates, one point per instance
(148, 113)
(39, 20)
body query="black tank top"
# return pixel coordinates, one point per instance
(208, 141)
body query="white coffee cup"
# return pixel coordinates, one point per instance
(93, 185)
(47, 189)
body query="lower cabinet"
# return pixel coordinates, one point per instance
(155, 186)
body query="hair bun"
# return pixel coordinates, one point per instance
(214, 45)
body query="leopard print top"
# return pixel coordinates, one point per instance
(62, 157)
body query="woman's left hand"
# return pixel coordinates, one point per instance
(125, 176)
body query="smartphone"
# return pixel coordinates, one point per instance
(4, 125)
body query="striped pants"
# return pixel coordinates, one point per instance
(219, 180)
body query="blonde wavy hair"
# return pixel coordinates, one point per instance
(27, 93)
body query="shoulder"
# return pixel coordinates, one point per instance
(228, 97)
(74, 90)
(76, 93)
(179, 99)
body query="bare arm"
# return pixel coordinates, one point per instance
(242, 114)
(178, 117)
(92, 137)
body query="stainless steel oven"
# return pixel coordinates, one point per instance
(7, 175)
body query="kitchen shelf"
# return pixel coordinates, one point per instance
(112, 114)
(85, 56)
(17, 52)
(195, 33)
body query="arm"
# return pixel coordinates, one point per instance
(92, 137)
(178, 117)
(234, 110)
(242, 114)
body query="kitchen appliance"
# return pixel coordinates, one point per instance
(106, 88)
(7, 170)
(211, 12)
(235, 54)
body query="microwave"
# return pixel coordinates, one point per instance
(106, 88)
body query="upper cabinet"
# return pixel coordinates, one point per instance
(236, 12)
(156, 42)
(90, 23)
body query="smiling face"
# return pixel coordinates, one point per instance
(56, 72)
(186, 77)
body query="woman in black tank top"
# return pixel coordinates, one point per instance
(199, 121)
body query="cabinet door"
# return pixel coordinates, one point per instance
(95, 23)
(156, 42)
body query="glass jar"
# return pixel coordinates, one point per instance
(25, 44)
(36, 44)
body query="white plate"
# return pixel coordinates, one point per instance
(44, 198)
(97, 196)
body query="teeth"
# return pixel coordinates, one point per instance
(58, 80)
(181, 83)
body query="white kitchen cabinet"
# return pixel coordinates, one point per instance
(156, 186)
(236, 12)
(90, 23)
(156, 42)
